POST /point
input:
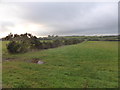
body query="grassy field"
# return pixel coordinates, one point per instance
(92, 64)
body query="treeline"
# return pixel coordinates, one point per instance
(27, 42)
(49, 37)
(104, 38)
(54, 37)
(97, 38)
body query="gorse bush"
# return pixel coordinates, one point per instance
(72, 41)
(57, 43)
(26, 42)
(17, 47)
(21, 43)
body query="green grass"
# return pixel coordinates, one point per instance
(92, 64)
(4, 49)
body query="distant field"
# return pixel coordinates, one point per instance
(92, 64)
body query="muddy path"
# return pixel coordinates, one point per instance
(34, 60)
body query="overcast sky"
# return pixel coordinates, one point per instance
(63, 18)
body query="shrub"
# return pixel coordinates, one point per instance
(46, 45)
(17, 47)
(72, 41)
(57, 43)
(25, 42)
(36, 44)
(67, 42)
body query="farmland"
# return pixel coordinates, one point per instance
(91, 64)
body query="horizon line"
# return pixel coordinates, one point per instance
(73, 35)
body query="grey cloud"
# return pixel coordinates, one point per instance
(73, 18)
